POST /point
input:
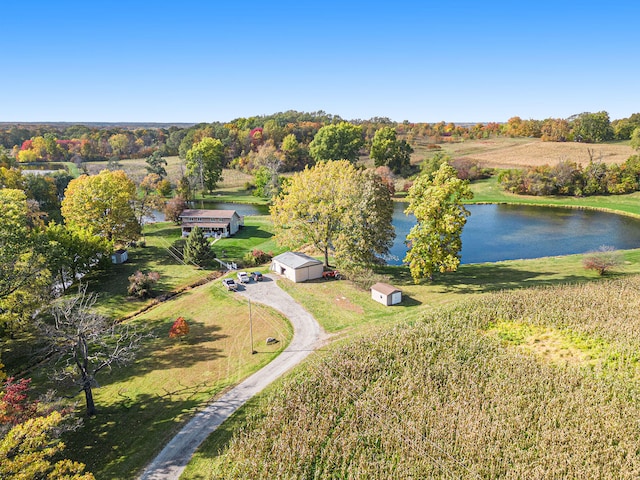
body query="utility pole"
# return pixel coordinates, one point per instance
(251, 329)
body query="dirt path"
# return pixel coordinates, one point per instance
(307, 336)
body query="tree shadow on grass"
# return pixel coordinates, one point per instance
(126, 435)
(166, 353)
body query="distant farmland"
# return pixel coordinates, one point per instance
(521, 152)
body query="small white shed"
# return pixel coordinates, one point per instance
(119, 256)
(386, 294)
(297, 267)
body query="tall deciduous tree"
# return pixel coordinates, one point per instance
(340, 141)
(337, 209)
(72, 253)
(83, 343)
(388, 151)
(24, 278)
(102, 204)
(592, 127)
(434, 242)
(205, 161)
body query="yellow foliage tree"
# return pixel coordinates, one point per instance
(102, 204)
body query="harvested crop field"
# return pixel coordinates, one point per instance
(522, 152)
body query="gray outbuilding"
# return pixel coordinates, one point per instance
(297, 266)
(386, 294)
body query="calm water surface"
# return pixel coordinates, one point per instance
(505, 232)
(509, 232)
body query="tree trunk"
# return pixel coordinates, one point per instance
(91, 406)
(326, 257)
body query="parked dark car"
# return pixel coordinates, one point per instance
(257, 276)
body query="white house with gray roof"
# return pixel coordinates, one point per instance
(297, 267)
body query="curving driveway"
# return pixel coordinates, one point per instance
(307, 336)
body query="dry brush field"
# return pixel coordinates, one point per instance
(523, 152)
(539, 383)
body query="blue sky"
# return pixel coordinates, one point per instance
(422, 61)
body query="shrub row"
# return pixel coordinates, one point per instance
(569, 178)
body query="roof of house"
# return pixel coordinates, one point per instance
(296, 260)
(385, 288)
(209, 213)
(204, 224)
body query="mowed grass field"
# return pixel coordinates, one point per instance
(142, 406)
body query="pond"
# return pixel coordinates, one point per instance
(510, 232)
(504, 232)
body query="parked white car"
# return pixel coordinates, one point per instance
(243, 277)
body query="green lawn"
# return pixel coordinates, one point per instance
(143, 405)
(257, 234)
(156, 256)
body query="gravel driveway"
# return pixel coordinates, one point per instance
(307, 336)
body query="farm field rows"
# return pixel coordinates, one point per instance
(533, 383)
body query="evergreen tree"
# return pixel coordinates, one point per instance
(197, 249)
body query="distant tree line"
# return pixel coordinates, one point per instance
(291, 133)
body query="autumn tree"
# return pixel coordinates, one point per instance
(148, 199)
(337, 209)
(27, 449)
(366, 230)
(437, 203)
(141, 284)
(102, 204)
(24, 278)
(387, 150)
(180, 328)
(197, 249)
(174, 208)
(341, 141)
(295, 154)
(205, 161)
(603, 260)
(83, 343)
(29, 435)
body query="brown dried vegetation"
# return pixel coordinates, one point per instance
(447, 397)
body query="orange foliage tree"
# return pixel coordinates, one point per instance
(179, 328)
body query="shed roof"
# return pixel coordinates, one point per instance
(296, 260)
(385, 288)
(208, 213)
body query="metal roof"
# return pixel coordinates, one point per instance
(296, 260)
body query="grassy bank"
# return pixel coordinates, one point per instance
(490, 191)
